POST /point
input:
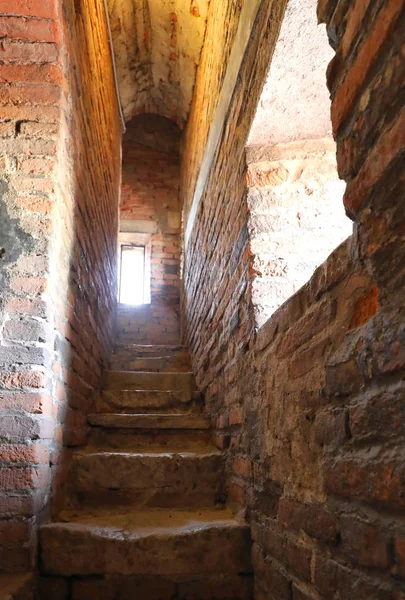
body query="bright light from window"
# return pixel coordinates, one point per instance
(132, 283)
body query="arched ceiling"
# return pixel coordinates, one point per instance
(295, 103)
(157, 46)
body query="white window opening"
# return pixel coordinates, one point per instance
(133, 288)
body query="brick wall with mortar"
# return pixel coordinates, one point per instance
(150, 205)
(59, 178)
(311, 408)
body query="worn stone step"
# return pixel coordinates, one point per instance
(127, 380)
(162, 478)
(149, 351)
(135, 430)
(145, 401)
(140, 438)
(133, 335)
(157, 364)
(150, 421)
(16, 586)
(153, 587)
(157, 542)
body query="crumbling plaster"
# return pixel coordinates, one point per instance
(157, 46)
(295, 104)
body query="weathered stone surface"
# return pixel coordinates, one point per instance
(144, 401)
(195, 587)
(170, 478)
(146, 543)
(152, 421)
(131, 380)
(164, 363)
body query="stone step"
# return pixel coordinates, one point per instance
(127, 380)
(135, 430)
(134, 439)
(133, 335)
(157, 542)
(157, 364)
(149, 351)
(18, 586)
(153, 587)
(162, 478)
(145, 401)
(150, 421)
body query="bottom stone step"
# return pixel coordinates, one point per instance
(114, 587)
(154, 542)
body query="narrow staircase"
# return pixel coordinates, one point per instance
(146, 514)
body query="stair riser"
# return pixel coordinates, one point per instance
(152, 354)
(127, 438)
(157, 365)
(144, 337)
(126, 380)
(148, 480)
(81, 550)
(201, 587)
(117, 401)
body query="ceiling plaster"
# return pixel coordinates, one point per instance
(157, 46)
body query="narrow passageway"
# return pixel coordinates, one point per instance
(146, 506)
(202, 268)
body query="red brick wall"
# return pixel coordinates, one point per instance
(150, 205)
(59, 178)
(311, 408)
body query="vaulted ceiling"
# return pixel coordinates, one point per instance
(157, 47)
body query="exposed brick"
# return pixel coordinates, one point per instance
(39, 74)
(32, 286)
(17, 453)
(23, 379)
(299, 560)
(367, 54)
(35, 30)
(41, 130)
(29, 94)
(28, 52)
(372, 481)
(24, 478)
(25, 331)
(314, 519)
(43, 166)
(364, 543)
(14, 532)
(29, 402)
(46, 9)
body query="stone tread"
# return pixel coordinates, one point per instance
(154, 542)
(150, 421)
(202, 450)
(16, 586)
